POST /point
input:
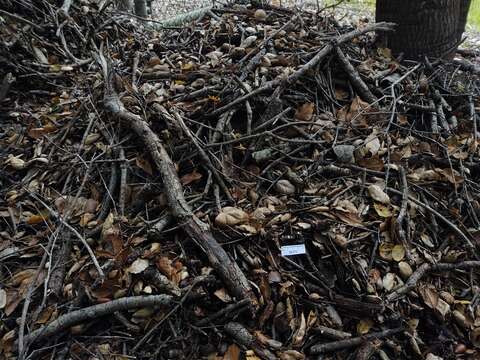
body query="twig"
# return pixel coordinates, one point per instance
(136, 60)
(123, 183)
(428, 268)
(401, 219)
(344, 344)
(5, 86)
(95, 311)
(203, 155)
(223, 312)
(243, 337)
(331, 333)
(357, 82)
(21, 19)
(31, 287)
(198, 230)
(441, 217)
(77, 234)
(270, 85)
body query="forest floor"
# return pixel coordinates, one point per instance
(258, 183)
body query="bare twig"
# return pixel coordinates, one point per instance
(345, 344)
(357, 82)
(75, 231)
(428, 268)
(95, 311)
(198, 230)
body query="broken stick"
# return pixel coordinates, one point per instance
(95, 311)
(344, 344)
(424, 270)
(196, 229)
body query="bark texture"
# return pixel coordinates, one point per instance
(141, 8)
(425, 28)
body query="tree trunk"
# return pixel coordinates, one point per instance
(430, 28)
(125, 5)
(141, 8)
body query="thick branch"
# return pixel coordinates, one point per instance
(424, 270)
(95, 311)
(357, 82)
(199, 231)
(270, 85)
(344, 344)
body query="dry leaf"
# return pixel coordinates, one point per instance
(377, 194)
(398, 252)
(285, 187)
(388, 281)
(138, 266)
(250, 355)
(299, 334)
(364, 326)
(232, 353)
(144, 165)
(405, 270)
(36, 219)
(190, 178)
(164, 264)
(3, 298)
(382, 210)
(223, 295)
(230, 216)
(305, 112)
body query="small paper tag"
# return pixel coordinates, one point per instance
(290, 250)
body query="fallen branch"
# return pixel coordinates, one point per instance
(95, 311)
(454, 227)
(5, 86)
(75, 232)
(357, 82)
(243, 337)
(293, 78)
(424, 270)
(344, 344)
(232, 308)
(196, 229)
(402, 219)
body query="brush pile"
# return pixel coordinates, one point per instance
(260, 183)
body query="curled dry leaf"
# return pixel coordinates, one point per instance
(377, 194)
(3, 298)
(285, 187)
(398, 252)
(305, 112)
(138, 266)
(230, 216)
(364, 326)
(405, 270)
(16, 162)
(299, 334)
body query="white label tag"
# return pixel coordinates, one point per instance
(290, 250)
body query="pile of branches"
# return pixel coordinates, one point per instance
(260, 183)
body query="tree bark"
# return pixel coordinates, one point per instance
(430, 28)
(125, 5)
(141, 8)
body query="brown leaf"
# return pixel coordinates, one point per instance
(305, 112)
(372, 163)
(223, 295)
(230, 216)
(190, 178)
(164, 264)
(232, 353)
(144, 165)
(299, 334)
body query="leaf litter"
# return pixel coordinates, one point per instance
(150, 179)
